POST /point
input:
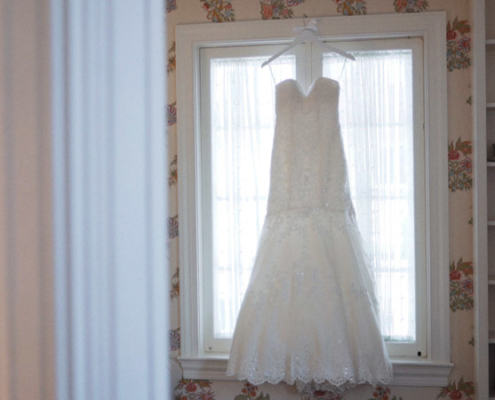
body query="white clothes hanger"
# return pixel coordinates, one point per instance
(308, 34)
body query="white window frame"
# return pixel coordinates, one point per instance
(432, 370)
(307, 73)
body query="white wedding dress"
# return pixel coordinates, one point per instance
(309, 315)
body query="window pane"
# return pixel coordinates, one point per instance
(242, 128)
(377, 126)
(376, 117)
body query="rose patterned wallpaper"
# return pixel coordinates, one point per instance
(458, 150)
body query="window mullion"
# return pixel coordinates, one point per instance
(303, 66)
(316, 67)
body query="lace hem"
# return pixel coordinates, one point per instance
(307, 385)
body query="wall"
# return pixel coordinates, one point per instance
(458, 62)
(27, 315)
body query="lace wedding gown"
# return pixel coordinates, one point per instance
(309, 315)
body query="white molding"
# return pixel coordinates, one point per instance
(110, 196)
(46, 185)
(430, 27)
(480, 216)
(27, 342)
(436, 111)
(329, 28)
(406, 373)
(421, 373)
(5, 371)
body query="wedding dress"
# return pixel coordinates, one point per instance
(309, 315)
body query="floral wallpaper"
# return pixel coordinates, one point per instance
(458, 151)
(458, 44)
(351, 7)
(278, 9)
(410, 5)
(460, 165)
(188, 389)
(461, 285)
(219, 10)
(458, 390)
(383, 393)
(251, 392)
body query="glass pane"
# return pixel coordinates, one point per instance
(242, 127)
(376, 117)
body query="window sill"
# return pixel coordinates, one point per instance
(406, 372)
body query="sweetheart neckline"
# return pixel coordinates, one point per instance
(311, 88)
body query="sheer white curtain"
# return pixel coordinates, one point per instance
(376, 116)
(242, 127)
(377, 126)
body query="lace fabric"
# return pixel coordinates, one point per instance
(310, 315)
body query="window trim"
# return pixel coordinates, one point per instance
(307, 73)
(431, 371)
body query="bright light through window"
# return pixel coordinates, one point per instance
(242, 128)
(376, 114)
(376, 117)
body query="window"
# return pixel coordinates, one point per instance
(391, 147)
(385, 150)
(235, 152)
(382, 114)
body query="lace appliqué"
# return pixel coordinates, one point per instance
(309, 316)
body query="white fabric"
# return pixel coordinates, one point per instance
(376, 116)
(241, 151)
(376, 119)
(309, 315)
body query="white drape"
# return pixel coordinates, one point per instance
(376, 121)
(376, 116)
(242, 127)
